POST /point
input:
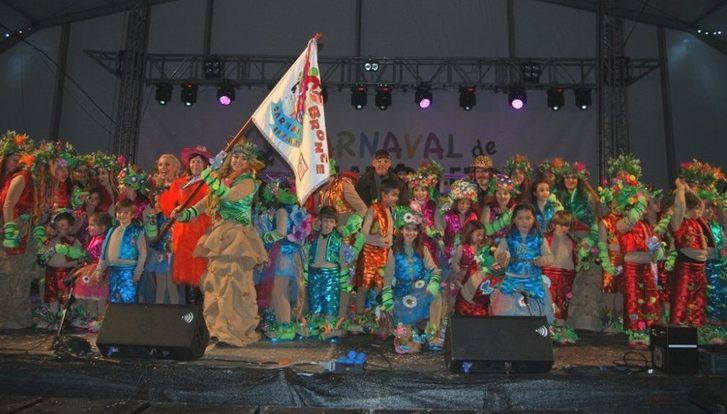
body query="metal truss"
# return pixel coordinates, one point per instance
(496, 74)
(130, 70)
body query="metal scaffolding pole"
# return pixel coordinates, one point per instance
(130, 70)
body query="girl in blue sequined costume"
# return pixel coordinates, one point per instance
(411, 286)
(524, 290)
(545, 205)
(231, 245)
(715, 268)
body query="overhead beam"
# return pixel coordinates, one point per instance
(91, 13)
(17, 9)
(637, 16)
(709, 12)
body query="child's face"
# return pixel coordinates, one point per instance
(478, 237)
(93, 200)
(62, 227)
(518, 177)
(125, 215)
(654, 205)
(80, 174)
(60, 173)
(561, 230)
(697, 211)
(503, 197)
(420, 193)
(103, 175)
(410, 232)
(542, 191)
(94, 229)
(463, 205)
(571, 182)
(12, 162)
(708, 213)
(524, 220)
(327, 225)
(391, 198)
(549, 177)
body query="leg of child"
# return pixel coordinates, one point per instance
(281, 304)
(361, 294)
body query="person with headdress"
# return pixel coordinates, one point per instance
(423, 187)
(496, 215)
(458, 210)
(518, 168)
(187, 269)
(549, 170)
(232, 246)
(577, 196)
(483, 174)
(133, 185)
(16, 260)
(291, 227)
(411, 286)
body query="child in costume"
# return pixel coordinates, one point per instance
(545, 203)
(291, 227)
(473, 273)
(378, 229)
(133, 185)
(232, 246)
(577, 196)
(518, 169)
(423, 187)
(523, 252)
(561, 273)
(123, 254)
(550, 171)
(327, 276)
(411, 286)
(714, 268)
(91, 288)
(186, 269)
(459, 209)
(17, 261)
(496, 215)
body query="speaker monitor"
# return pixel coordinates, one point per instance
(498, 344)
(674, 349)
(153, 331)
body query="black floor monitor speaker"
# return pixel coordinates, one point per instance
(498, 344)
(153, 331)
(674, 349)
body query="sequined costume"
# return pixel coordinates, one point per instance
(612, 283)
(689, 292)
(429, 210)
(716, 276)
(496, 213)
(85, 287)
(373, 258)
(453, 225)
(640, 294)
(561, 279)
(544, 215)
(522, 291)
(474, 297)
(578, 203)
(324, 282)
(410, 279)
(233, 248)
(186, 269)
(122, 288)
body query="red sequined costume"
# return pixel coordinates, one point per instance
(610, 283)
(561, 280)
(640, 294)
(689, 293)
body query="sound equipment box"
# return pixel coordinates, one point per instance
(153, 331)
(674, 349)
(713, 359)
(498, 344)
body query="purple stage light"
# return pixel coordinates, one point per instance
(424, 103)
(517, 103)
(225, 100)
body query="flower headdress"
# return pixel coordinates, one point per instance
(404, 215)
(14, 143)
(624, 194)
(427, 176)
(577, 168)
(60, 153)
(101, 160)
(503, 182)
(463, 189)
(625, 162)
(518, 162)
(134, 177)
(555, 166)
(701, 173)
(250, 151)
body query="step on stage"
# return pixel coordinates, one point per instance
(285, 377)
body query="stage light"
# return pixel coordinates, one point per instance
(517, 97)
(189, 94)
(213, 68)
(359, 96)
(225, 93)
(531, 72)
(163, 93)
(583, 98)
(423, 96)
(371, 66)
(467, 97)
(556, 99)
(383, 96)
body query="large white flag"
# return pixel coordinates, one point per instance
(292, 120)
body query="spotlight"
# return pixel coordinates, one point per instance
(423, 96)
(517, 97)
(531, 72)
(371, 66)
(163, 93)
(467, 97)
(359, 96)
(583, 98)
(556, 99)
(383, 96)
(213, 68)
(189, 94)
(699, 31)
(225, 93)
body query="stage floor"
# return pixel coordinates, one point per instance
(585, 378)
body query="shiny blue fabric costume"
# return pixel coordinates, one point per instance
(323, 283)
(411, 300)
(122, 288)
(716, 277)
(543, 217)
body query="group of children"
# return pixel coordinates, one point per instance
(509, 242)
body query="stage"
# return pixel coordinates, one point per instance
(266, 377)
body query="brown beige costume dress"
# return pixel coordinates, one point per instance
(233, 248)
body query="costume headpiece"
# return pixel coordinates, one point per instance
(134, 177)
(404, 215)
(14, 143)
(503, 182)
(518, 162)
(102, 160)
(250, 151)
(482, 161)
(623, 194)
(625, 162)
(555, 166)
(60, 153)
(280, 189)
(463, 189)
(701, 173)
(189, 152)
(427, 176)
(577, 168)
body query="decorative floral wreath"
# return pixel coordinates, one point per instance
(101, 160)
(701, 173)
(404, 215)
(577, 168)
(503, 182)
(14, 143)
(555, 166)
(625, 162)
(61, 153)
(251, 151)
(134, 177)
(518, 162)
